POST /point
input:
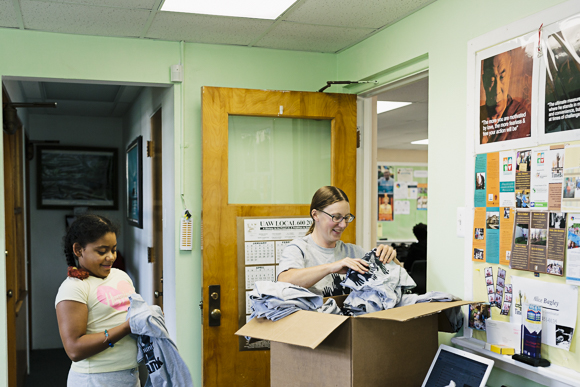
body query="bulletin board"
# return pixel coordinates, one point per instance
(406, 197)
(534, 115)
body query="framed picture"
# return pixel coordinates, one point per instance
(69, 177)
(134, 172)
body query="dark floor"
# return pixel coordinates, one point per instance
(48, 367)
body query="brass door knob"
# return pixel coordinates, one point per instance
(216, 314)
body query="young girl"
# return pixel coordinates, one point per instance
(316, 260)
(91, 307)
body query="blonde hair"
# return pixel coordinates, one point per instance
(324, 197)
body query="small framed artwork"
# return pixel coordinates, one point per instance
(69, 177)
(134, 176)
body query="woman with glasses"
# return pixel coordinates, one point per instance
(316, 260)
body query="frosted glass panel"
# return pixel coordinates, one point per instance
(277, 160)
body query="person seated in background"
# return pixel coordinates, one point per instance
(417, 251)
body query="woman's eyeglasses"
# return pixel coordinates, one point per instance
(337, 219)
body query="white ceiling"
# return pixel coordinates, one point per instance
(397, 128)
(328, 26)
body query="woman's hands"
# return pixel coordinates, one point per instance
(342, 266)
(386, 253)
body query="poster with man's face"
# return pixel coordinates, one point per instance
(506, 95)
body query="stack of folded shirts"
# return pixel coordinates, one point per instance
(276, 300)
(378, 289)
(454, 315)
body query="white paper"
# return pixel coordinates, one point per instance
(504, 333)
(275, 228)
(507, 179)
(556, 164)
(421, 173)
(539, 178)
(404, 174)
(401, 190)
(402, 207)
(559, 308)
(259, 273)
(413, 190)
(280, 245)
(248, 303)
(573, 250)
(259, 253)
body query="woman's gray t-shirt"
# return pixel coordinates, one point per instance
(304, 252)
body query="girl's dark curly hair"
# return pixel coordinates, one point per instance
(84, 230)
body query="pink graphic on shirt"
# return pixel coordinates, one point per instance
(116, 298)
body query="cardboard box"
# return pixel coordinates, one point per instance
(392, 347)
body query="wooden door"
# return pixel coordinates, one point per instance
(16, 289)
(223, 363)
(157, 182)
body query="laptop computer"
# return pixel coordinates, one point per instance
(460, 367)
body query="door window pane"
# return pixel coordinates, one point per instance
(277, 160)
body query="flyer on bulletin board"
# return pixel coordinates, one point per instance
(539, 178)
(507, 179)
(492, 235)
(492, 185)
(571, 183)
(556, 176)
(520, 246)
(523, 167)
(480, 179)
(506, 232)
(573, 250)
(479, 233)
(556, 243)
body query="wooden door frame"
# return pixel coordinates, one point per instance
(264, 103)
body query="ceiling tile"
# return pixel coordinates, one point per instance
(306, 37)
(206, 29)
(82, 19)
(76, 91)
(7, 14)
(348, 13)
(128, 4)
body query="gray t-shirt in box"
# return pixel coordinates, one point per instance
(304, 252)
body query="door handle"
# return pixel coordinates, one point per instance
(157, 294)
(215, 314)
(9, 293)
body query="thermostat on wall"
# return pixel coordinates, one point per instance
(177, 73)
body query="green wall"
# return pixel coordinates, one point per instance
(440, 32)
(48, 55)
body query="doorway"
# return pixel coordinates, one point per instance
(88, 114)
(395, 121)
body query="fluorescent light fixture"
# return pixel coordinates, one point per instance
(256, 9)
(385, 106)
(421, 142)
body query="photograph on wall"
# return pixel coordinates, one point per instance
(386, 179)
(134, 164)
(561, 46)
(385, 207)
(506, 95)
(478, 313)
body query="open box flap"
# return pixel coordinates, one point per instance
(303, 328)
(409, 312)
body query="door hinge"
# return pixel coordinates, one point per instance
(358, 139)
(150, 255)
(150, 149)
